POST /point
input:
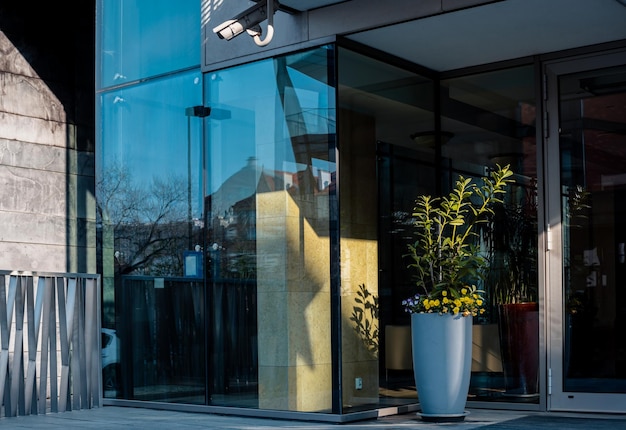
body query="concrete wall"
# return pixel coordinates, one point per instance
(47, 206)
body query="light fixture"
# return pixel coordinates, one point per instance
(249, 21)
(605, 84)
(427, 139)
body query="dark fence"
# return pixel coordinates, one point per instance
(49, 342)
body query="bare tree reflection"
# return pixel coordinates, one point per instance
(148, 222)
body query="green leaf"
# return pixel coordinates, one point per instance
(457, 222)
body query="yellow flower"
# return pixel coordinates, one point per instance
(458, 303)
(479, 302)
(444, 293)
(437, 302)
(455, 310)
(445, 300)
(463, 290)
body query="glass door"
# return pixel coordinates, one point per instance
(586, 136)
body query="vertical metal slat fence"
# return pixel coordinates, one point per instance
(49, 342)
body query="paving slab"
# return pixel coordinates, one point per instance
(116, 417)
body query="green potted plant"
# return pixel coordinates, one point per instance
(449, 264)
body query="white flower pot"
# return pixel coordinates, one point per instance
(442, 360)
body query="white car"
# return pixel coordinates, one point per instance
(110, 359)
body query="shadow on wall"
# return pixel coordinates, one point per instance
(47, 136)
(365, 318)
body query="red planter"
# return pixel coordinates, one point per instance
(519, 344)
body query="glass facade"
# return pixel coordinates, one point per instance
(253, 221)
(491, 118)
(149, 194)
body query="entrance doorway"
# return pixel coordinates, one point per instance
(587, 235)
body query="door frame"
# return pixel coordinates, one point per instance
(557, 398)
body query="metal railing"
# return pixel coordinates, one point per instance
(49, 342)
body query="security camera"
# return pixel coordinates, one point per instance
(249, 20)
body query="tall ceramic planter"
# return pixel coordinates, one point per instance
(442, 359)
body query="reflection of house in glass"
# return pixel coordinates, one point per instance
(232, 211)
(261, 225)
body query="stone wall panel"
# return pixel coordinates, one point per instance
(33, 191)
(30, 97)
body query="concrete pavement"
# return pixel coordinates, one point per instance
(116, 417)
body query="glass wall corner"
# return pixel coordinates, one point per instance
(253, 256)
(270, 181)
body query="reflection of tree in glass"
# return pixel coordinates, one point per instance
(578, 205)
(148, 223)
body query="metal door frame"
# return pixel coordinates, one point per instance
(558, 399)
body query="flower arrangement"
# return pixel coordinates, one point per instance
(446, 255)
(467, 301)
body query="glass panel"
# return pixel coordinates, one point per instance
(141, 38)
(490, 118)
(268, 214)
(162, 339)
(382, 169)
(593, 184)
(150, 202)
